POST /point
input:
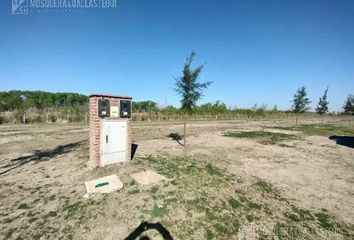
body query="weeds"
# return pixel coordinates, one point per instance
(321, 130)
(73, 209)
(209, 235)
(23, 206)
(32, 219)
(157, 211)
(253, 206)
(206, 196)
(51, 214)
(264, 186)
(221, 229)
(324, 221)
(234, 203)
(263, 137)
(250, 218)
(51, 197)
(154, 190)
(134, 191)
(212, 170)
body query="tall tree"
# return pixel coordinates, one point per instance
(301, 102)
(349, 104)
(188, 86)
(322, 106)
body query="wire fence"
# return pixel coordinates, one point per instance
(307, 118)
(80, 114)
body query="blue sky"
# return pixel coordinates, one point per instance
(255, 51)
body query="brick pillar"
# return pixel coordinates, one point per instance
(95, 126)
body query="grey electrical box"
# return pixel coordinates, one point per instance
(125, 108)
(103, 108)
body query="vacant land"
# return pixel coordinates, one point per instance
(234, 180)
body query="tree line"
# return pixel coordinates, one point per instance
(217, 107)
(301, 103)
(20, 100)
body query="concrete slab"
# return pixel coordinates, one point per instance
(147, 177)
(104, 185)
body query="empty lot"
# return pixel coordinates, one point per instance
(233, 179)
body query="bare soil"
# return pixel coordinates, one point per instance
(43, 169)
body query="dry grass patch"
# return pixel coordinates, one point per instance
(263, 137)
(321, 130)
(204, 201)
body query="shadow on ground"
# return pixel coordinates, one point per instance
(144, 226)
(39, 156)
(343, 140)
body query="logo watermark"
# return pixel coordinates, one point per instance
(26, 6)
(19, 6)
(254, 230)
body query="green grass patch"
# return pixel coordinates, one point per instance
(23, 206)
(322, 130)
(253, 206)
(264, 186)
(32, 219)
(197, 203)
(212, 170)
(263, 137)
(205, 198)
(31, 214)
(157, 211)
(154, 190)
(281, 231)
(292, 216)
(234, 203)
(132, 182)
(221, 229)
(250, 218)
(324, 221)
(192, 168)
(51, 197)
(210, 215)
(209, 235)
(242, 199)
(51, 214)
(195, 193)
(71, 210)
(134, 191)
(303, 214)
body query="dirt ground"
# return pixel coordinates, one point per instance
(43, 170)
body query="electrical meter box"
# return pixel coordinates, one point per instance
(125, 108)
(110, 129)
(103, 108)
